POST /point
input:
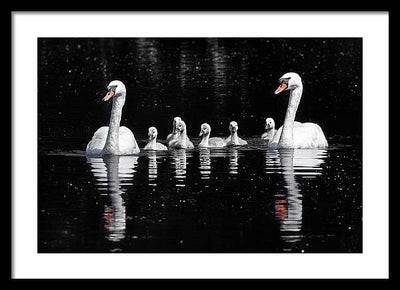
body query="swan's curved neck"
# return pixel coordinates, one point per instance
(112, 141)
(234, 136)
(270, 133)
(204, 140)
(152, 143)
(286, 139)
(183, 134)
(182, 137)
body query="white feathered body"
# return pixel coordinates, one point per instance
(212, 142)
(305, 135)
(127, 142)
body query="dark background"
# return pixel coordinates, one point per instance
(214, 80)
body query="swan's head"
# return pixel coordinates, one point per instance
(115, 89)
(288, 81)
(269, 123)
(176, 119)
(205, 129)
(152, 133)
(180, 127)
(233, 127)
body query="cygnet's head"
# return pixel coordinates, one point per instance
(152, 133)
(233, 127)
(176, 119)
(115, 89)
(180, 127)
(205, 129)
(288, 81)
(269, 123)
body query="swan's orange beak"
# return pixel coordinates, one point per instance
(109, 95)
(283, 86)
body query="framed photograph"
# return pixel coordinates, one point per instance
(200, 145)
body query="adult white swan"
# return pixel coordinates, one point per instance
(113, 139)
(295, 134)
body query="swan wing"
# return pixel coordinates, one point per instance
(305, 135)
(160, 146)
(216, 142)
(96, 144)
(309, 135)
(127, 142)
(242, 142)
(189, 144)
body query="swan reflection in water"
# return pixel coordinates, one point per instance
(112, 173)
(179, 160)
(205, 163)
(153, 169)
(288, 200)
(233, 160)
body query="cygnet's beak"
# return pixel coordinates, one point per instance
(201, 133)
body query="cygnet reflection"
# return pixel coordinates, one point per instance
(205, 163)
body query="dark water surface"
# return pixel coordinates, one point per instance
(203, 200)
(241, 199)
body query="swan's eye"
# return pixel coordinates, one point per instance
(284, 81)
(112, 88)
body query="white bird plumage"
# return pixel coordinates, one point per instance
(113, 139)
(153, 144)
(182, 141)
(234, 139)
(174, 134)
(205, 130)
(295, 134)
(270, 130)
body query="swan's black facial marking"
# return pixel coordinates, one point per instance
(284, 80)
(110, 93)
(113, 88)
(283, 85)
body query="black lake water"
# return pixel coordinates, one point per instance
(237, 199)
